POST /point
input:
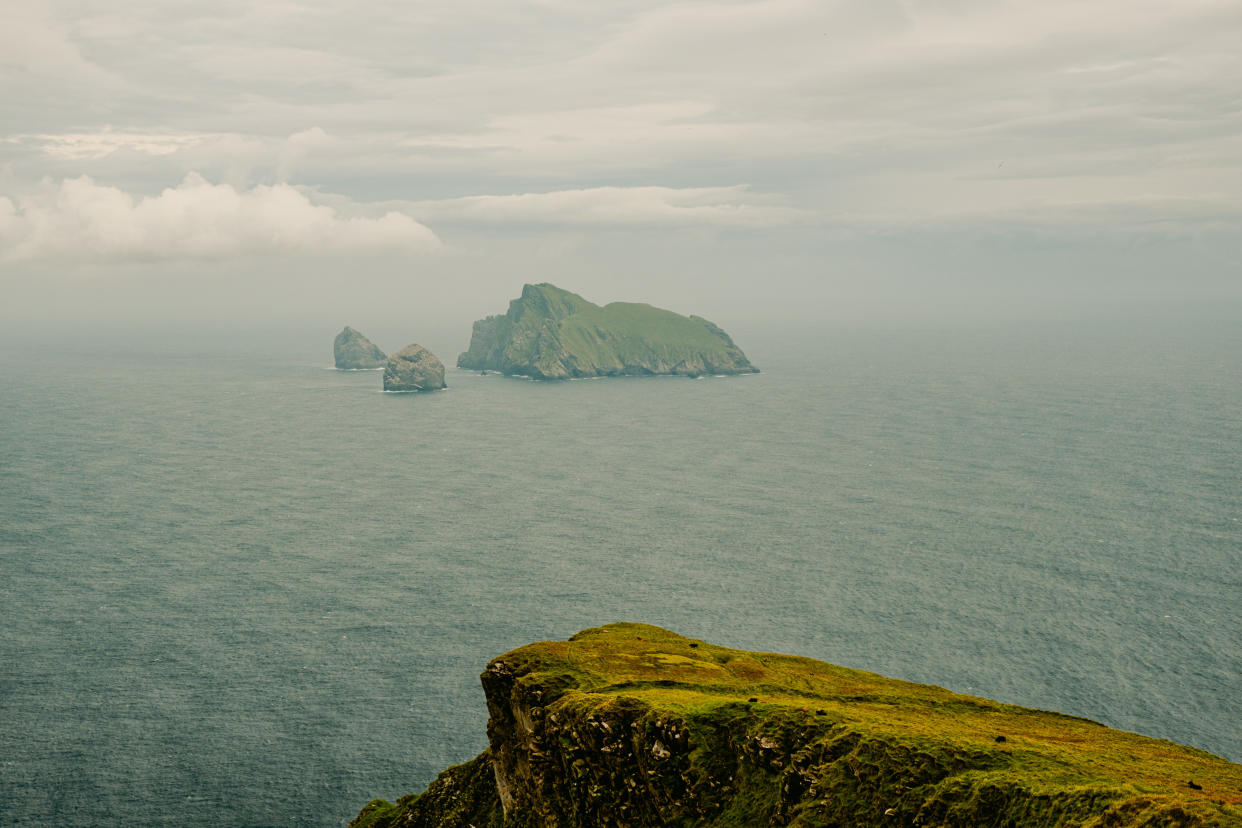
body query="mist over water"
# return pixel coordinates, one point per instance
(241, 588)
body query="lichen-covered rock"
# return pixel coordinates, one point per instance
(550, 333)
(413, 368)
(351, 350)
(631, 725)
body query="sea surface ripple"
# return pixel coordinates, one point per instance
(244, 589)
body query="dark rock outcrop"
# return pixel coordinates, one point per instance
(413, 368)
(550, 333)
(351, 350)
(631, 725)
(464, 795)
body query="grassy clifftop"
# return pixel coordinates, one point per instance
(550, 333)
(634, 725)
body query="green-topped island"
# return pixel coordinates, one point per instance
(550, 333)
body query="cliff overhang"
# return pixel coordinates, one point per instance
(633, 725)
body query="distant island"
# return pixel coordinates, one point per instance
(633, 725)
(550, 333)
(353, 351)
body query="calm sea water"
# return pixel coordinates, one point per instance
(245, 589)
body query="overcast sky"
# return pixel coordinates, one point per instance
(391, 159)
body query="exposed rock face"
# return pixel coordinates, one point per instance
(631, 725)
(460, 797)
(549, 333)
(352, 350)
(413, 368)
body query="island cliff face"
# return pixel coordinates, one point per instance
(632, 725)
(351, 350)
(550, 333)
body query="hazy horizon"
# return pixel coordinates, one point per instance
(769, 163)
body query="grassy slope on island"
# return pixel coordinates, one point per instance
(551, 333)
(623, 334)
(640, 726)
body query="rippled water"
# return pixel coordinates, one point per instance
(244, 590)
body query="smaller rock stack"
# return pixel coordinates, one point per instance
(413, 368)
(353, 351)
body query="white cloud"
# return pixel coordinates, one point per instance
(621, 206)
(80, 220)
(34, 45)
(904, 110)
(80, 146)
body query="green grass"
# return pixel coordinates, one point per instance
(867, 739)
(551, 333)
(552, 301)
(632, 725)
(642, 323)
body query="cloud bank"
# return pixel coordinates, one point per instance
(620, 207)
(967, 119)
(823, 101)
(78, 219)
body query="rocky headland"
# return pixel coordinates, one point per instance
(353, 351)
(632, 725)
(413, 368)
(550, 333)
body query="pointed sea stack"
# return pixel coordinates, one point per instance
(413, 368)
(550, 333)
(353, 351)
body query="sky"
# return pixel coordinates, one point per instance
(405, 165)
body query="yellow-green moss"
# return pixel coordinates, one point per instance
(633, 725)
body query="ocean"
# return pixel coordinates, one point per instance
(241, 588)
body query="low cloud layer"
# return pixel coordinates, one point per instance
(620, 207)
(78, 219)
(556, 126)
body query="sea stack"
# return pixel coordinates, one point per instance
(353, 351)
(413, 368)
